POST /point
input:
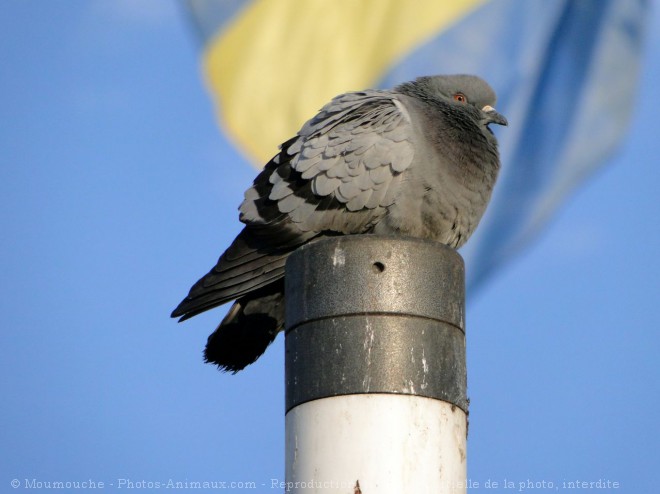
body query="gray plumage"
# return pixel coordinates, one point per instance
(418, 160)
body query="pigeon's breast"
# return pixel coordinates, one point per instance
(445, 191)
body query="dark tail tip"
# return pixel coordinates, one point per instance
(239, 342)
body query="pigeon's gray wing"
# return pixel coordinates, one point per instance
(337, 176)
(343, 169)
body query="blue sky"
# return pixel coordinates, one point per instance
(118, 191)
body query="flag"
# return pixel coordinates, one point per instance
(565, 72)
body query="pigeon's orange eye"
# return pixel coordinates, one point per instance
(460, 97)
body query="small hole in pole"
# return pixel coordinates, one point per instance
(378, 267)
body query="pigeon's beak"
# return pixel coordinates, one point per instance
(491, 116)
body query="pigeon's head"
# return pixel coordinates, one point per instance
(461, 90)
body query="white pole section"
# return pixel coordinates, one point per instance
(375, 367)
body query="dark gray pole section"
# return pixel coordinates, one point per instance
(374, 314)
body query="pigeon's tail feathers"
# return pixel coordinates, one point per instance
(251, 324)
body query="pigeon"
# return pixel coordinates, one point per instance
(418, 160)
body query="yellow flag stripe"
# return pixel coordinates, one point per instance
(281, 60)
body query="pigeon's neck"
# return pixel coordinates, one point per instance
(414, 90)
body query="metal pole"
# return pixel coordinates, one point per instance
(375, 367)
